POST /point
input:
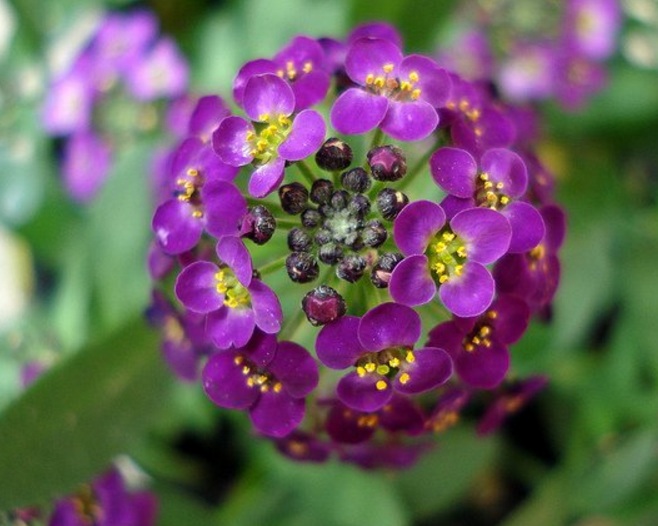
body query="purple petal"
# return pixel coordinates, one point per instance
(416, 224)
(267, 96)
(213, 168)
(434, 83)
(357, 111)
(261, 349)
(266, 307)
(455, 171)
(411, 282)
(487, 233)
(185, 154)
(453, 205)
(86, 165)
(310, 88)
(254, 67)
(513, 315)
(527, 226)
(347, 426)
(176, 228)
(380, 30)
(389, 325)
(410, 121)
(306, 136)
(337, 345)
(231, 327)
(294, 367)
(506, 167)
(483, 367)
(266, 178)
(231, 250)
(469, 294)
(447, 336)
(229, 141)
(225, 208)
(432, 367)
(207, 114)
(361, 393)
(225, 384)
(196, 287)
(277, 414)
(556, 226)
(368, 56)
(401, 414)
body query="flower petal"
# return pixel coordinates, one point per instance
(253, 67)
(229, 141)
(506, 167)
(431, 367)
(357, 111)
(411, 282)
(361, 392)
(176, 228)
(410, 121)
(483, 367)
(230, 327)
(277, 414)
(266, 307)
(306, 136)
(455, 171)
(295, 368)
(487, 233)
(527, 226)
(224, 206)
(231, 250)
(416, 224)
(337, 345)
(469, 294)
(196, 287)
(225, 384)
(389, 325)
(369, 56)
(267, 96)
(266, 178)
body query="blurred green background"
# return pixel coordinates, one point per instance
(73, 286)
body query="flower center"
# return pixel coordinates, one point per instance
(86, 505)
(188, 191)
(235, 294)
(256, 377)
(480, 335)
(386, 363)
(447, 255)
(490, 194)
(394, 87)
(267, 136)
(291, 73)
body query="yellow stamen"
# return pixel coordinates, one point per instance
(388, 68)
(404, 378)
(381, 385)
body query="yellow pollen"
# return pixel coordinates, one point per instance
(500, 185)
(370, 79)
(264, 388)
(410, 358)
(440, 268)
(440, 247)
(192, 172)
(478, 131)
(394, 362)
(469, 347)
(370, 367)
(464, 105)
(381, 385)
(476, 340)
(238, 360)
(461, 251)
(492, 314)
(459, 270)
(264, 117)
(488, 185)
(250, 382)
(504, 200)
(360, 371)
(283, 120)
(538, 252)
(443, 279)
(261, 145)
(405, 86)
(251, 135)
(414, 77)
(485, 331)
(404, 378)
(415, 94)
(484, 176)
(448, 236)
(197, 213)
(383, 369)
(380, 82)
(277, 387)
(297, 448)
(388, 68)
(279, 73)
(307, 67)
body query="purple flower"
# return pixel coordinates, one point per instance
(500, 179)
(447, 410)
(470, 55)
(235, 302)
(380, 347)
(69, 101)
(509, 402)
(207, 113)
(301, 63)
(591, 27)
(380, 30)
(398, 94)
(273, 137)
(348, 426)
(391, 455)
(105, 502)
(270, 379)
(303, 447)
(450, 258)
(528, 72)
(203, 198)
(86, 165)
(479, 345)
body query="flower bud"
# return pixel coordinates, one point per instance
(374, 233)
(299, 240)
(293, 197)
(321, 191)
(381, 271)
(330, 253)
(311, 218)
(359, 206)
(356, 180)
(323, 236)
(351, 268)
(323, 305)
(334, 154)
(387, 163)
(302, 267)
(339, 199)
(258, 225)
(390, 203)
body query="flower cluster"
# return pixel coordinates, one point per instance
(108, 94)
(361, 211)
(552, 51)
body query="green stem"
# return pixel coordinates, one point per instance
(286, 223)
(377, 139)
(438, 310)
(306, 172)
(272, 266)
(420, 164)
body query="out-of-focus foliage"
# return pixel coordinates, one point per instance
(584, 451)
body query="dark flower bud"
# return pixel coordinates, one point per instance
(299, 240)
(381, 271)
(374, 233)
(339, 199)
(354, 241)
(258, 225)
(323, 305)
(321, 191)
(356, 180)
(359, 206)
(323, 236)
(390, 203)
(334, 154)
(330, 253)
(387, 163)
(351, 268)
(311, 218)
(293, 197)
(302, 267)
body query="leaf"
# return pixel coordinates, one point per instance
(77, 416)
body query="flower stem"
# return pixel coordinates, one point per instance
(306, 172)
(286, 223)
(420, 164)
(273, 207)
(272, 266)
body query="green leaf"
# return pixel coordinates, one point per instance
(67, 427)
